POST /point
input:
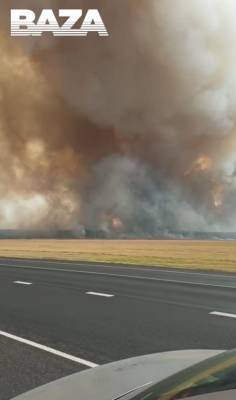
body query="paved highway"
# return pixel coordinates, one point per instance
(57, 318)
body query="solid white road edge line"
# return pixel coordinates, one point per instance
(117, 275)
(22, 283)
(49, 350)
(222, 314)
(100, 294)
(123, 266)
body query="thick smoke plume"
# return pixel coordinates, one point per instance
(134, 133)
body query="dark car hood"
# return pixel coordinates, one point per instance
(113, 380)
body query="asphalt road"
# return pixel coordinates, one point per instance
(94, 314)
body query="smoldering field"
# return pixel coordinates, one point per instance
(134, 134)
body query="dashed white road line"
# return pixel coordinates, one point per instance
(49, 350)
(100, 294)
(23, 283)
(222, 314)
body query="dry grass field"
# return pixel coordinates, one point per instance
(209, 255)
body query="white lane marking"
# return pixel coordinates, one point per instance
(22, 283)
(129, 267)
(49, 350)
(222, 314)
(116, 275)
(100, 294)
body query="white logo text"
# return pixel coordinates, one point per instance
(25, 23)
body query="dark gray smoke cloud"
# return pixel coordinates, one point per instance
(133, 133)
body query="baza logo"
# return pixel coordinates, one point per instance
(23, 23)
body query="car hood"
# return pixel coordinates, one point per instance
(119, 378)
